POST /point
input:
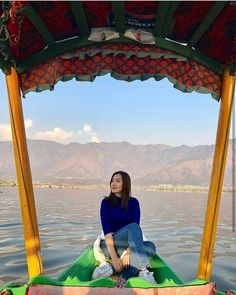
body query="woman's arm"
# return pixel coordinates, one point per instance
(135, 218)
(106, 226)
(136, 211)
(116, 261)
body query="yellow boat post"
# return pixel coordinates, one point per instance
(217, 176)
(25, 187)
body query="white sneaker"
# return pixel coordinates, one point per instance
(147, 276)
(102, 271)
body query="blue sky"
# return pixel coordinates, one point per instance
(109, 110)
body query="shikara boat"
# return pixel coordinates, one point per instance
(76, 279)
(191, 43)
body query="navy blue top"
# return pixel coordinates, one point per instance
(114, 218)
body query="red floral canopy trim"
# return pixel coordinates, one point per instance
(144, 63)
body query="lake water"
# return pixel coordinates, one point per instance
(69, 222)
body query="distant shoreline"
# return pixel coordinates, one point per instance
(154, 188)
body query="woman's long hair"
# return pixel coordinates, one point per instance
(126, 190)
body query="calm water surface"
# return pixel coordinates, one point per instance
(69, 223)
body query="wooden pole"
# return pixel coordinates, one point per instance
(25, 187)
(217, 177)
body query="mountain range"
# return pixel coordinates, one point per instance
(95, 162)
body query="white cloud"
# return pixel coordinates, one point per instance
(57, 134)
(63, 136)
(28, 123)
(86, 135)
(5, 129)
(94, 138)
(5, 132)
(87, 128)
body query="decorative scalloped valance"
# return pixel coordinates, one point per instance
(130, 62)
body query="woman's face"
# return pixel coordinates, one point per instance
(117, 185)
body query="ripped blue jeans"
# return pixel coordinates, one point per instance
(141, 251)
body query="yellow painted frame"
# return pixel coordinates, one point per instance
(24, 179)
(217, 176)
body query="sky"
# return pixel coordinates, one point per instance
(108, 110)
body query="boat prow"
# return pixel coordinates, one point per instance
(76, 280)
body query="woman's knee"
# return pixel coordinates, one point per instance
(134, 225)
(150, 248)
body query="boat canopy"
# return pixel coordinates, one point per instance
(190, 43)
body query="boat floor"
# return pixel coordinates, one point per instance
(76, 280)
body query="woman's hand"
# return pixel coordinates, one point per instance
(117, 264)
(116, 261)
(126, 260)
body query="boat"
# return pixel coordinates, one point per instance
(192, 44)
(76, 279)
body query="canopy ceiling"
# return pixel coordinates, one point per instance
(189, 42)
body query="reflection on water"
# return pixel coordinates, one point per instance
(69, 222)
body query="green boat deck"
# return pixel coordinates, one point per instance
(79, 273)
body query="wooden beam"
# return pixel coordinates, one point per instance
(217, 177)
(188, 52)
(24, 179)
(162, 10)
(80, 17)
(78, 42)
(118, 9)
(39, 24)
(5, 65)
(206, 23)
(167, 27)
(56, 49)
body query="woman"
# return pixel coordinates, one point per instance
(123, 240)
